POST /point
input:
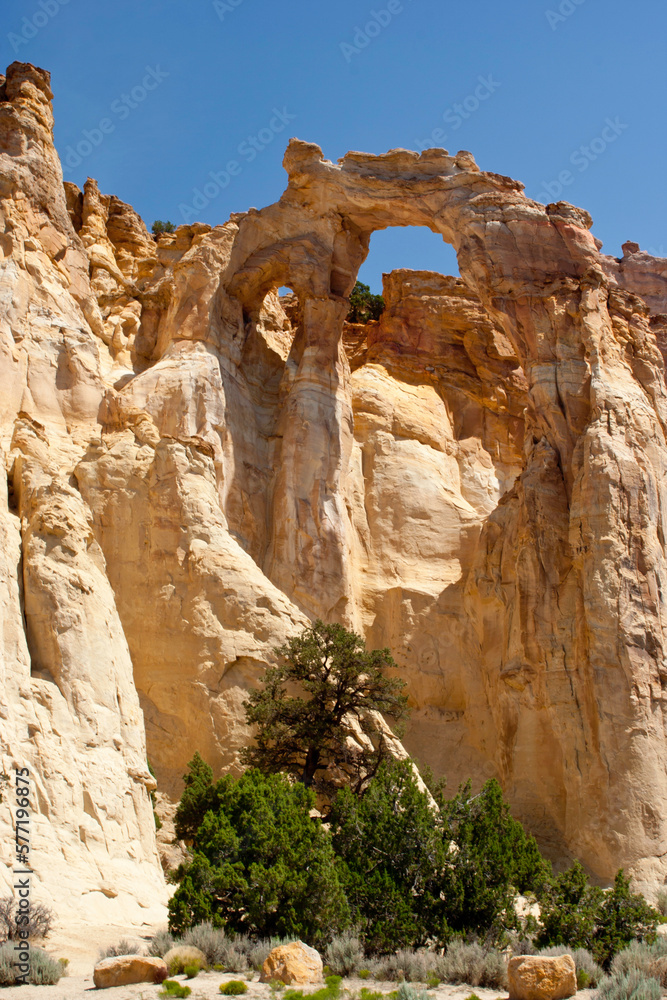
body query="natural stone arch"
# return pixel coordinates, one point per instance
(553, 607)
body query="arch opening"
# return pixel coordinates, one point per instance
(415, 247)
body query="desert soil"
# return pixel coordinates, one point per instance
(206, 986)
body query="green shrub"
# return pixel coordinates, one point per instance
(192, 970)
(331, 991)
(260, 863)
(474, 965)
(633, 985)
(344, 954)
(364, 305)
(44, 970)
(172, 988)
(623, 916)
(364, 974)
(589, 973)
(233, 988)
(580, 915)
(160, 227)
(122, 947)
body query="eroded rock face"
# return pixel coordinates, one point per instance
(197, 467)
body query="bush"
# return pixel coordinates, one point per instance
(123, 947)
(416, 966)
(160, 227)
(634, 985)
(233, 988)
(661, 902)
(191, 970)
(344, 954)
(39, 925)
(589, 973)
(211, 941)
(160, 944)
(260, 863)
(364, 305)
(473, 965)
(44, 970)
(407, 992)
(623, 916)
(329, 992)
(639, 956)
(172, 988)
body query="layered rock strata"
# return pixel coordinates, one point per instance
(198, 466)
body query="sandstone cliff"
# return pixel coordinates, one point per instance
(197, 467)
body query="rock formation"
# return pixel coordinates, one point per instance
(197, 466)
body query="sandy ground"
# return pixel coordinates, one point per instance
(206, 986)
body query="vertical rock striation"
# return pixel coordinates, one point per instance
(197, 466)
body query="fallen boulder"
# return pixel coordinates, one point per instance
(292, 963)
(123, 970)
(541, 977)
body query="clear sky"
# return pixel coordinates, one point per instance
(152, 96)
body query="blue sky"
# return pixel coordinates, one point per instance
(159, 94)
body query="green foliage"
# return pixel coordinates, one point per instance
(331, 991)
(233, 988)
(160, 227)
(452, 871)
(364, 974)
(192, 970)
(364, 305)
(492, 858)
(569, 908)
(197, 798)
(260, 864)
(623, 916)
(391, 846)
(172, 988)
(304, 734)
(634, 985)
(579, 915)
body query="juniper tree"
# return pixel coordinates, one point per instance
(326, 681)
